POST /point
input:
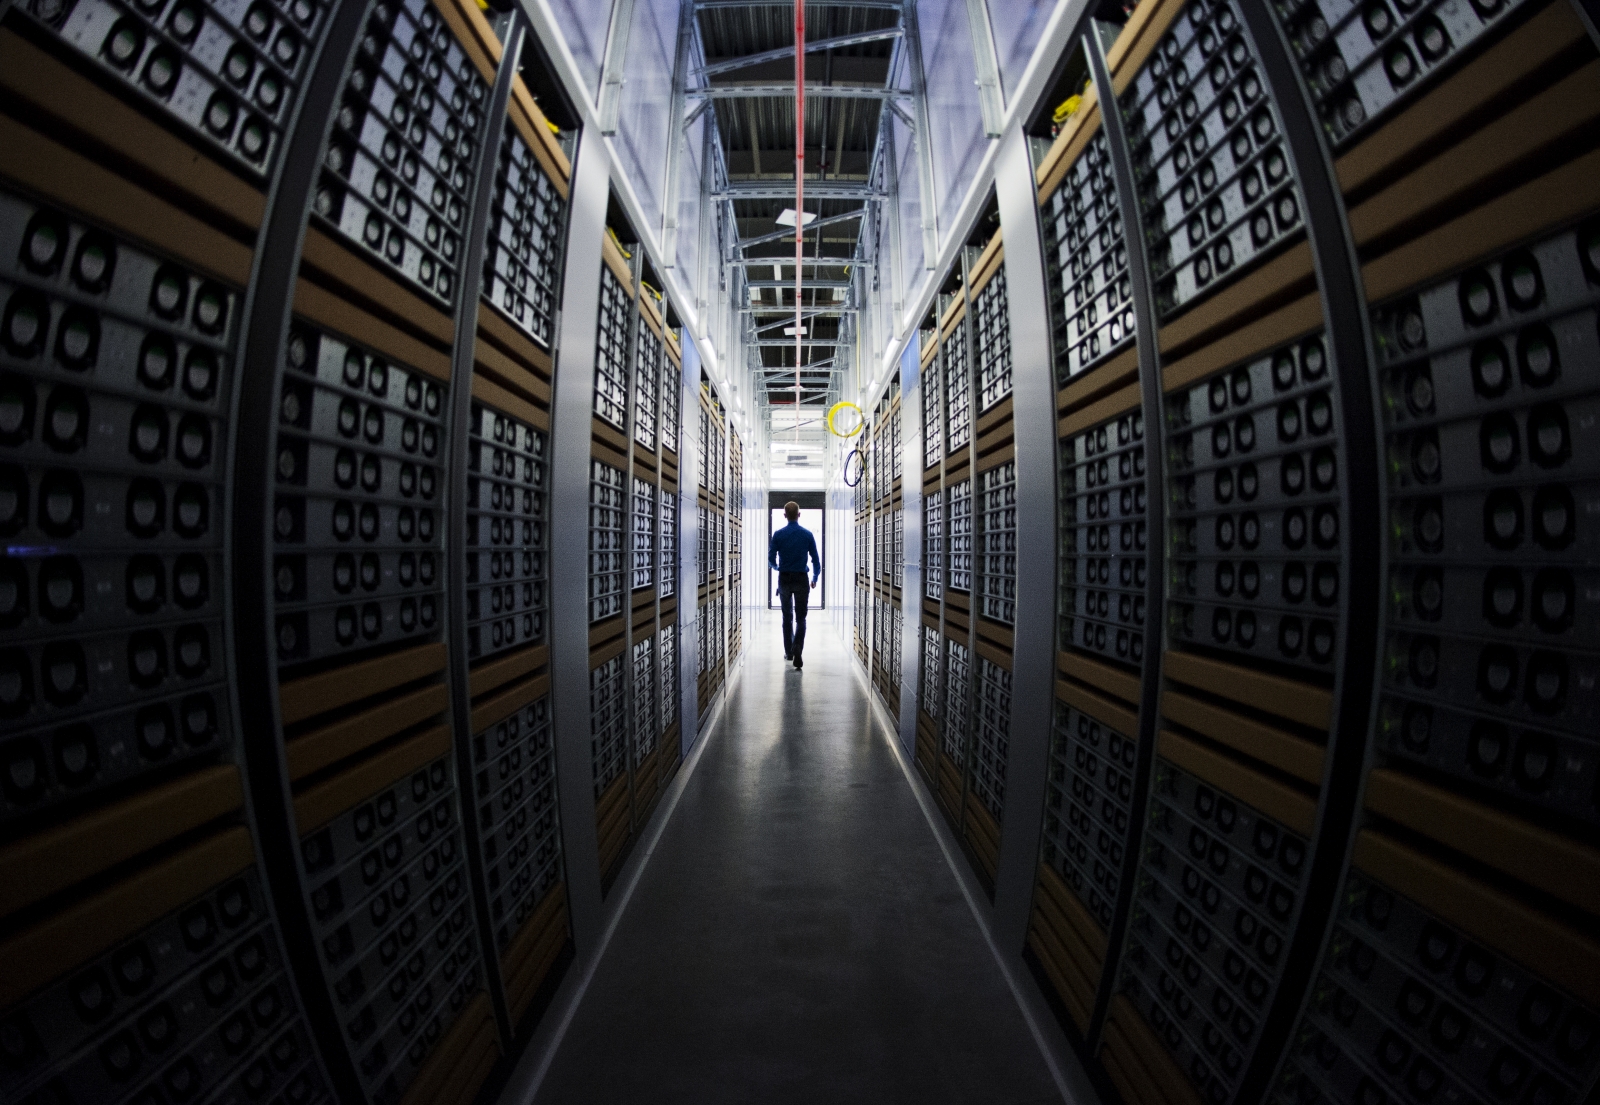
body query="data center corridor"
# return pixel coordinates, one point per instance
(797, 934)
(1193, 402)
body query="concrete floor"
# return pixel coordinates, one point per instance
(797, 935)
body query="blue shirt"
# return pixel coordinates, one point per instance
(788, 548)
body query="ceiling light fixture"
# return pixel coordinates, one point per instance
(787, 218)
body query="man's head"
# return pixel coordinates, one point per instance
(791, 511)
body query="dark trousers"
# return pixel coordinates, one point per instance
(794, 589)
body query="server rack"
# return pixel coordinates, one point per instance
(512, 821)
(969, 552)
(635, 742)
(931, 653)
(400, 214)
(136, 936)
(1307, 401)
(139, 944)
(735, 548)
(885, 502)
(715, 594)
(861, 528)
(1444, 796)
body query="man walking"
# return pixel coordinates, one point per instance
(787, 551)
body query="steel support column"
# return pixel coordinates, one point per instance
(1361, 593)
(991, 97)
(1034, 430)
(926, 207)
(613, 73)
(1147, 329)
(707, 227)
(571, 409)
(677, 140)
(897, 261)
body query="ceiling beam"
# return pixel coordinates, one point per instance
(787, 262)
(782, 91)
(790, 283)
(815, 189)
(788, 232)
(877, 5)
(788, 311)
(813, 45)
(773, 371)
(699, 109)
(789, 321)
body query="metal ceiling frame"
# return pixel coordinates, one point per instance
(787, 319)
(815, 224)
(878, 193)
(814, 45)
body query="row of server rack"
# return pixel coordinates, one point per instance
(279, 817)
(719, 501)
(964, 632)
(635, 687)
(1317, 813)
(878, 529)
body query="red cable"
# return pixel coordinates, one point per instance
(799, 190)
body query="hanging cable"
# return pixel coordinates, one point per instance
(799, 192)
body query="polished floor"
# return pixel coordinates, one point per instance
(797, 935)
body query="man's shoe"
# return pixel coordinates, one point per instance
(788, 656)
(797, 664)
